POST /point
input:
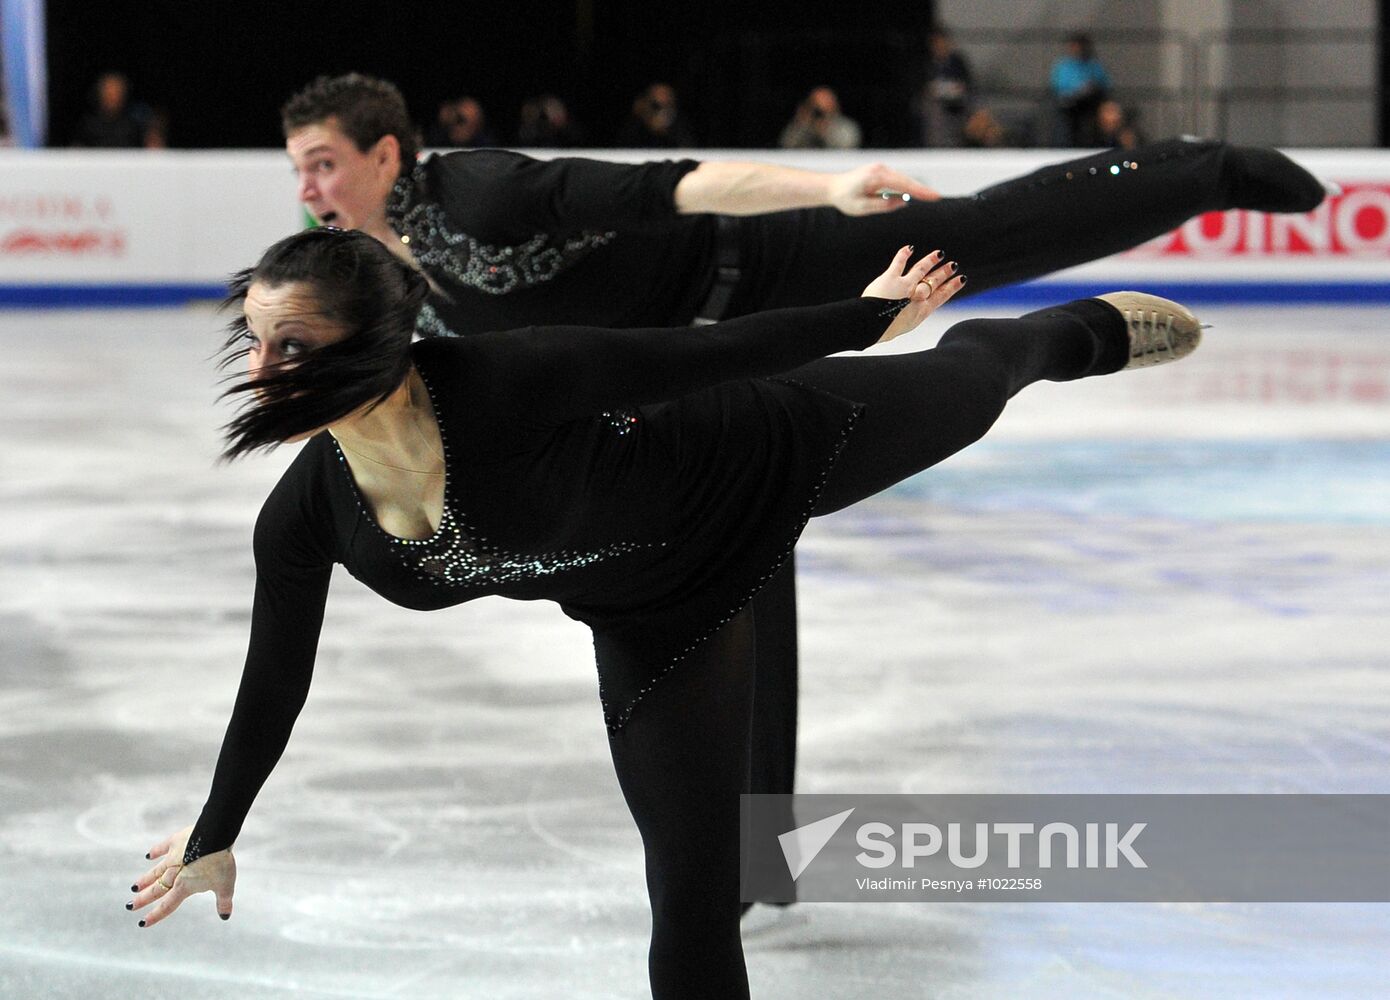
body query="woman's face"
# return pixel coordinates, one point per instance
(284, 322)
(338, 183)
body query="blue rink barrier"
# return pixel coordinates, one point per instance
(106, 296)
(1037, 293)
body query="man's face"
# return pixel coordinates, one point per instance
(338, 183)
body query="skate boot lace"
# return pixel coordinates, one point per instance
(1152, 333)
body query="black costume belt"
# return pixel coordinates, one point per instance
(727, 272)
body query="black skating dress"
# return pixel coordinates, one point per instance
(649, 481)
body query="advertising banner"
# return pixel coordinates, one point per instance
(135, 227)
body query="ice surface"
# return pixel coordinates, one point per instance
(1168, 581)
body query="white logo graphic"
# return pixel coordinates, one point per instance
(800, 846)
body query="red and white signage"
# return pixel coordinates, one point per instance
(89, 217)
(1354, 224)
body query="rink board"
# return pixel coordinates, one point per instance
(157, 228)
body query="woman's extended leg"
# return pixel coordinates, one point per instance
(682, 762)
(922, 408)
(1052, 218)
(1055, 217)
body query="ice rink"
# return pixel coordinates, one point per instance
(1165, 581)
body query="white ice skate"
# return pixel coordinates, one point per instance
(1159, 330)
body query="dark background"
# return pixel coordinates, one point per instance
(1384, 24)
(220, 71)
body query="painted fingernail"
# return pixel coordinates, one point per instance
(952, 266)
(142, 923)
(910, 248)
(148, 858)
(130, 905)
(135, 888)
(963, 279)
(225, 916)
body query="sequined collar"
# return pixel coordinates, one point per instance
(399, 201)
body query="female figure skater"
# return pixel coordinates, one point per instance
(510, 241)
(536, 464)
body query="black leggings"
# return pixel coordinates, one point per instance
(683, 758)
(1055, 217)
(1060, 215)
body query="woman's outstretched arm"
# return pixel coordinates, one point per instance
(562, 373)
(286, 618)
(287, 614)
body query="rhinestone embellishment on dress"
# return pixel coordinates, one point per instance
(428, 323)
(458, 556)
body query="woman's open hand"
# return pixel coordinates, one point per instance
(927, 285)
(170, 881)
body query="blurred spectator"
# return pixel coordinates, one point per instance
(1079, 84)
(655, 121)
(1115, 126)
(945, 99)
(460, 124)
(819, 124)
(546, 122)
(156, 128)
(984, 131)
(112, 123)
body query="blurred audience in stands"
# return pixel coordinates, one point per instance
(947, 114)
(545, 122)
(460, 124)
(656, 121)
(820, 124)
(944, 103)
(983, 130)
(117, 122)
(1079, 83)
(1115, 126)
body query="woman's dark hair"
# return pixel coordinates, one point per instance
(365, 109)
(359, 285)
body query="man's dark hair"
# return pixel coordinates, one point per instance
(364, 107)
(359, 285)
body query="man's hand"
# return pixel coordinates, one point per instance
(861, 191)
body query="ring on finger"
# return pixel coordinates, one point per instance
(161, 882)
(931, 288)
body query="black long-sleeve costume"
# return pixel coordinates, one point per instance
(510, 240)
(653, 526)
(645, 482)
